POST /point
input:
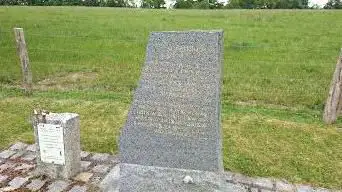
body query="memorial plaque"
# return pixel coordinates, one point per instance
(58, 151)
(174, 120)
(51, 143)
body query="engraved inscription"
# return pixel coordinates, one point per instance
(191, 70)
(179, 83)
(180, 120)
(176, 51)
(51, 143)
(184, 88)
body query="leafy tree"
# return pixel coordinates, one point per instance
(315, 6)
(91, 3)
(131, 3)
(200, 4)
(180, 4)
(154, 4)
(233, 4)
(183, 4)
(217, 5)
(214, 4)
(287, 4)
(72, 2)
(116, 3)
(268, 4)
(333, 4)
(305, 4)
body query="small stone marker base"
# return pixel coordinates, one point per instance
(58, 145)
(155, 179)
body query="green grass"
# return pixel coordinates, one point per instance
(278, 66)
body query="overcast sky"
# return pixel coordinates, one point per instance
(318, 2)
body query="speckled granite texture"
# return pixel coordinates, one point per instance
(174, 120)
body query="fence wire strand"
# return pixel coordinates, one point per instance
(228, 76)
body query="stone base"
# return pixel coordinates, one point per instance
(133, 178)
(101, 170)
(71, 145)
(111, 181)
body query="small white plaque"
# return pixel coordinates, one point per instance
(51, 143)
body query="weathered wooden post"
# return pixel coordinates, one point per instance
(333, 103)
(24, 60)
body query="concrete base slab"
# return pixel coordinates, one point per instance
(133, 178)
(111, 181)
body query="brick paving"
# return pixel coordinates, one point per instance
(17, 165)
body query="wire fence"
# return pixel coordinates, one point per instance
(131, 38)
(94, 71)
(249, 77)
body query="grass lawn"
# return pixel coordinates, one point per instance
(277, 69)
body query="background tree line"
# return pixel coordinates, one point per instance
(181, 4)
(93, 3)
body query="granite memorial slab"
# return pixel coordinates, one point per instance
(174, 120)
(172, 137)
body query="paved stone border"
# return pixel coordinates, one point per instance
(17, 164)
(17, 171)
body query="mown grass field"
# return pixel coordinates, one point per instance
(278, 66)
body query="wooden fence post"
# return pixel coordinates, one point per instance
(24, 60)
(333, 104)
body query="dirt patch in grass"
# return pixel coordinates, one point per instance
(66, 82)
